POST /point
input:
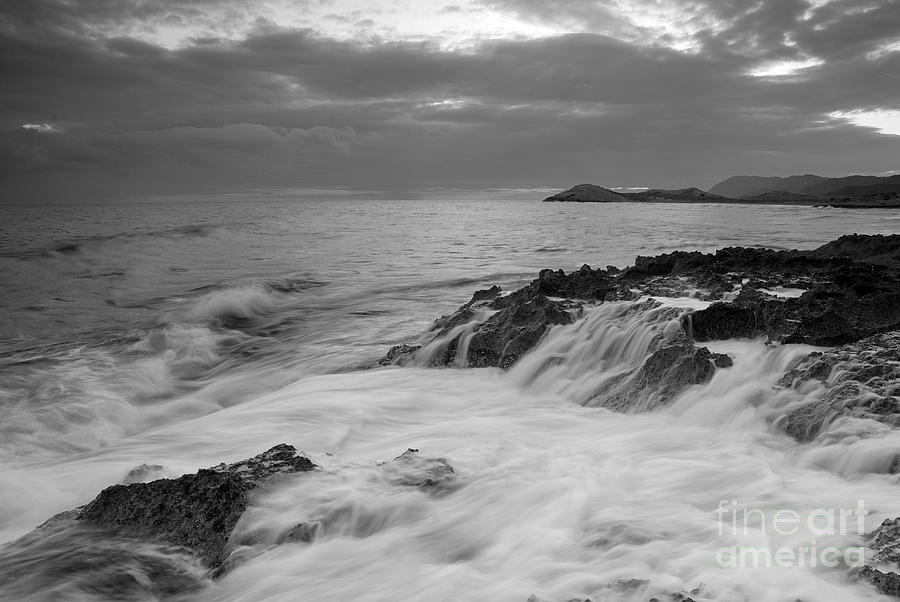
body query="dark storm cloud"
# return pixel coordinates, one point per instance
(294, 108)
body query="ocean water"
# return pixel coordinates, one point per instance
(188, 333)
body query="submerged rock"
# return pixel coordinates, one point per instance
(196, 511)
(413, 470)
(142, 473)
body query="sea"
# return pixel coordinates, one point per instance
(185, 332)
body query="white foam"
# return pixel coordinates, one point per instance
(556, 500)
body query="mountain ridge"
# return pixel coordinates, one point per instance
(853, 186)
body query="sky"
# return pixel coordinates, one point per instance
(124, 99)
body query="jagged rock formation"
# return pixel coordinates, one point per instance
(197, 511)
(872, 248)
(675, 365)
(152, 540)
(846, 290)
(860, 380)
(514, 324)
(886, 544)
(169, 537)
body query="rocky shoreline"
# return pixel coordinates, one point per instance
(844, 295)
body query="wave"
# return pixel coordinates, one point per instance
(70, 398)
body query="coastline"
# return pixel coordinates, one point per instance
(785, 202)
(591, 193)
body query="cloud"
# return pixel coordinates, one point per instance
(289, 107)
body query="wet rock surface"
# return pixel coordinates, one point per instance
(196, 511)
(521, 321)
(64, 556)
(168, 537)
(502, 329)
(886, 546)
(585, 284)
(842, 292)
(675, 365)
(857, 380)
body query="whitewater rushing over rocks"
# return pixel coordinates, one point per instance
(606, 434)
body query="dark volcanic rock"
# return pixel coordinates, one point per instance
(196, 511)
(860, 380)
(499, 329)
(586, 284)
(886, 541)
(508, 334)
(399, 354)
(887, 582)
(674, 366)
(884, 250)
(854, 301)
(487, 294)
(886, 545)
(64, 559)
(852, 291)
(749, 315)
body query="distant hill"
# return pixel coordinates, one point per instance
(684, 195)
(737, 187)
(856, 186)
(857, 192)
(587, 193)
(808, 186)
(781, 196)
